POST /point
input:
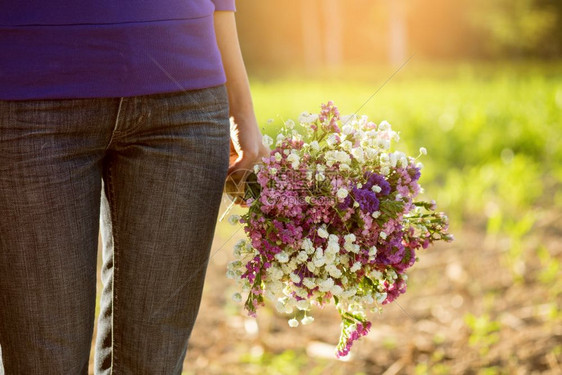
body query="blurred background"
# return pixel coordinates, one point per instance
(479, 84)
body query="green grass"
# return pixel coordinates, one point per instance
(493, 134)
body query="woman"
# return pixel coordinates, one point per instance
(134, 94)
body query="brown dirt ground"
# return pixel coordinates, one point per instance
(426, 332)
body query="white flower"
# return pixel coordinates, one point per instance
(230, 274)
(302, 293)
(376, 214)
(309, 282)
(344, 167)
(358, 154)
(393, 159)
(346, 145)
(314, 145)
(319, 262)
(342, 157)
(330, 258)
(289, 124)
(311, 267)
(423, 151)
(333, 247)
(307, 118)
(419, 165)
(319, 253)
(293, 323)
(273, 171)
(282, 257)
(294, 278)
(303, 304)
(380, 297)
(286, 267)
(280, 305)
(267, 140)
(391, 274)
(347, 120)
(377, 275)
(384, 158)
(331, 140)
(234, 219)
(294, 159)
(307, 320)
(278, 156)
(307, 246)
(368, 299)
(276, 287)
(350, 237)
(326, 285)
(336, 290)
(334, 271)
(342, 193)
(350, 247)
(349, 292)
(383, 235)
(322, 232)
(370, 153)
(274, 272)
(384, 126)
(302, 256)
(376, 188)
(347, 129)
(240, 244)
(356, 267)
(383, 143)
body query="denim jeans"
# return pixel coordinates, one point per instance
(156, 166)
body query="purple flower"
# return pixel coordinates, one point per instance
(367, 200)
(414, 173)
(377, 179)
(345, 203)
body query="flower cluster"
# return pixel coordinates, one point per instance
(332, 219)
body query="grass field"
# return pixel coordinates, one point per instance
(493, 139)
(489, 303)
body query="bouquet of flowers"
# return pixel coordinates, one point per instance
(332, 220)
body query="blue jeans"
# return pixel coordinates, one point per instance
(156, 166)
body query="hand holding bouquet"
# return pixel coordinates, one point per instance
(332, 220)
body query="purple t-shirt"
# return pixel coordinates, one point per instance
(61, 49)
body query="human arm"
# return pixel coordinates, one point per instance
(246, 144)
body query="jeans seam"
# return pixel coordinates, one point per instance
(115, 124)
(114, 227)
